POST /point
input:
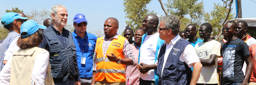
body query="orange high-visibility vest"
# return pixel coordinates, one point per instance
(107, 70)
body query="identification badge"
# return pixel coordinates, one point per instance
(83, 60)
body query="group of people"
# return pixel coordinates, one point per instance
(230, 61)
(155, 54)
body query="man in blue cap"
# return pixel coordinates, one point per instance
(12, 22)
(85, 45)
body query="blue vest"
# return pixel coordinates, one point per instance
(62, 58)
(175, 72)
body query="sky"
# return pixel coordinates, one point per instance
(97, 11)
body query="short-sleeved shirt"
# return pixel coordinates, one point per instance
(234, 54)
(249, 41)
(208, 74)
(147, 54)
(132, 72)
(252, 49)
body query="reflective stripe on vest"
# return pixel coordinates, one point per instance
(107, 70)
(102, 59)
(110, 71)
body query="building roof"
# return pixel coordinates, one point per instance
(250, 21)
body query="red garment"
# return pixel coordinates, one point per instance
(252, 49)
(132, 72)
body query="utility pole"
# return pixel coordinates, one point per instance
(239, 8)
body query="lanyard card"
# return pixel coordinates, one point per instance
(83, 60)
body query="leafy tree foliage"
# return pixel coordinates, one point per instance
(3, 33)
(135, 12)
(189, 11)
(17, 10)
(219, 16)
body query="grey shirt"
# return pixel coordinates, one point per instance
(5, 45)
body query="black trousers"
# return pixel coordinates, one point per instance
(67, 82)
(206, 84)
(146, 82)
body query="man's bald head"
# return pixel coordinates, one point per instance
(110, 27)
(114, 21)
(153, 18)
(150, 24)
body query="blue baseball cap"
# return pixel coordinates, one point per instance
(79, 18)
(30, 27)
(9, 17)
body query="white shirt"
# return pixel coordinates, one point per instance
(147, 54)
(12, 48)
(208, 74)
(188, 56)
(38, 72)
(250, 41)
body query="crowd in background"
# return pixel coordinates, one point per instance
(157, 53)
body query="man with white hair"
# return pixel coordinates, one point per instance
(59, 42)
(176, 56)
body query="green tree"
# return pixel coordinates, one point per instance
(17, 10)
(219, 16)
(135, 12)
(188, 11)
(3, 32)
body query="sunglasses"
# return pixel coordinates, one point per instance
(82, 24)
(163, 29)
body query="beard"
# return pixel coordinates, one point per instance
(61, 22)
(149, 30)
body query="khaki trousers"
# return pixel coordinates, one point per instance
(252, 83)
